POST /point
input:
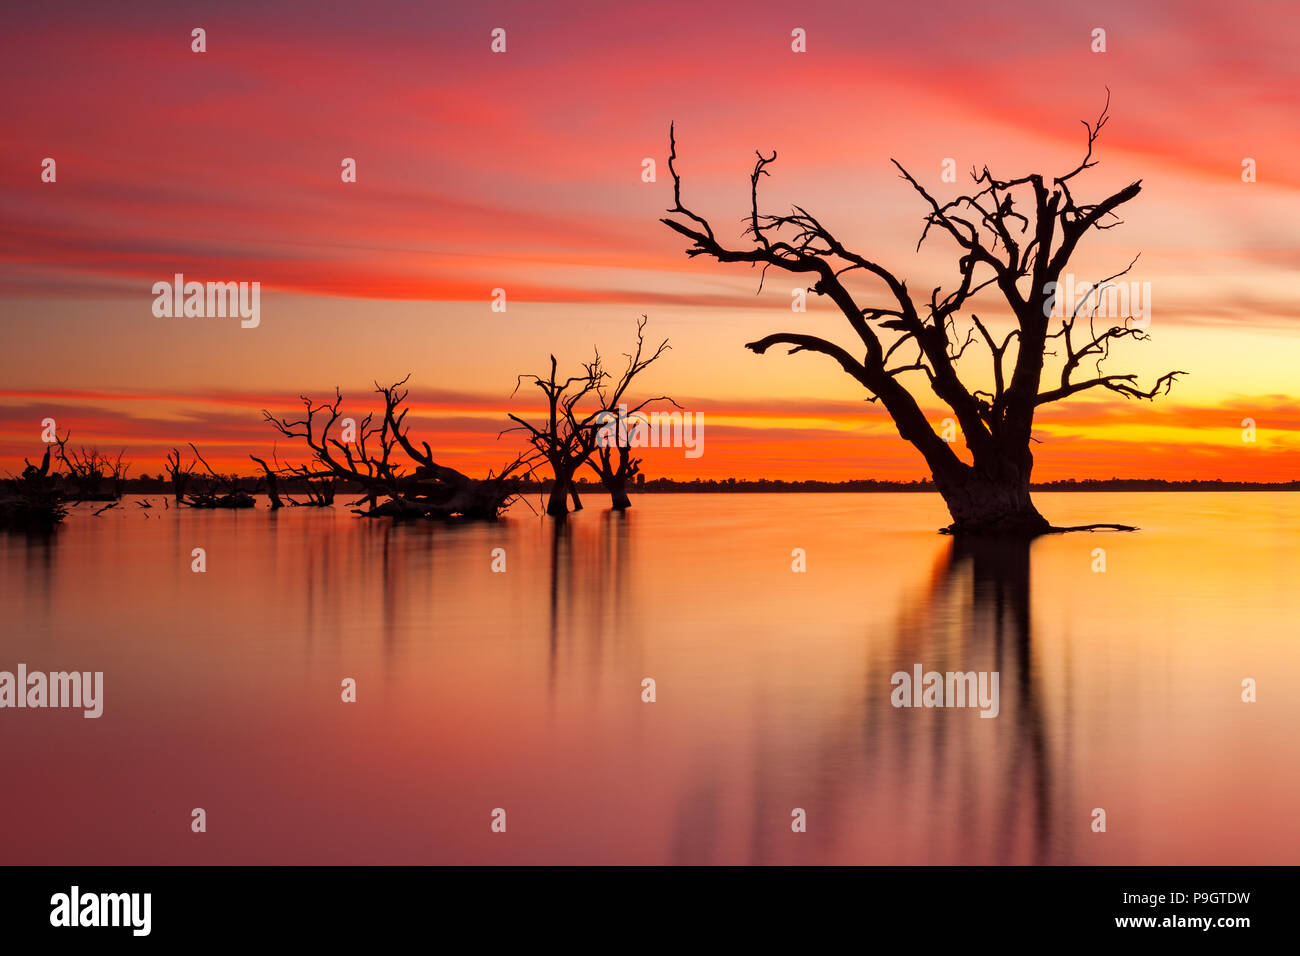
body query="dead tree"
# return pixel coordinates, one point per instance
(364, 459)
(616, 428)
(180, 474)
(614, 463)
(1014, 237)
(584, 425)
(320, 491)
(271, 483)
(88, 468)
(217, 490)
(397, 477)
(33, 500)
(557, 440)
(446, 489)
(117, 473)
(319, 487)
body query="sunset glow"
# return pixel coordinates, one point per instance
(524, 173)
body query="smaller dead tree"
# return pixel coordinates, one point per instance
(88, 469)
(271, 483)
(117, 474)
(34, 499)
(217, 490)
(614, 463)
(617, 426)
(558, 441)
(446, 488)
(318, 487)
(586, 423)
(363, 459)
(180, 474)
(398, 478)
(320, 491)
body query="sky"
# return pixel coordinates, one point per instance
(522, 171)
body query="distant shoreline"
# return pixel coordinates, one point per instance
(155, 486)
(665, 486)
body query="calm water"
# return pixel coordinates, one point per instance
(478, 690)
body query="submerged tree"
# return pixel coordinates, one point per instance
(33, 500)
(610, 444)
(318, 486)
(586, 423)
(557, 440)
(1013, 236)
(614, 464)
(397, 477)
(180, 474)
(271, 482)
(89, 468)
(216, 490)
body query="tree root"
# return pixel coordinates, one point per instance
(1092, 527)
(1023, 532)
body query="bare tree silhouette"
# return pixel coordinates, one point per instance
(614, 463)
(89, 468)
(33, 500)
(379, 460)
(611, 442)
(558, 440)
(1020, 255)
(217, 490)
(117, 470)
(180, 474)
(572, 436)
(319, 487)
(271, 481)
(320, 491)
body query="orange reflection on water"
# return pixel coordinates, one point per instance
(477, 690)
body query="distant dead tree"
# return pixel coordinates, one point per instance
(318, 487)
(1014, 237)
(585, 425)
(397, 477)
(556, 441)
(180, 474)
(216, 490)
(88, 469)
(320, 490)
(85, 469)
(616, 430)
(33, 500)
(117, 473)
(271, 483)
(614, 463)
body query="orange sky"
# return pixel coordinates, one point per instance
(522, 171)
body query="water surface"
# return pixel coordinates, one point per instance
(522, 690)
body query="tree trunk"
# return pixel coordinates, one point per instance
(616, 485)
(272, 486)
(990, 502)
(558, 504)
(273, 492)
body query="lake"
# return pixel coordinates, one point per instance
(521, 690)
